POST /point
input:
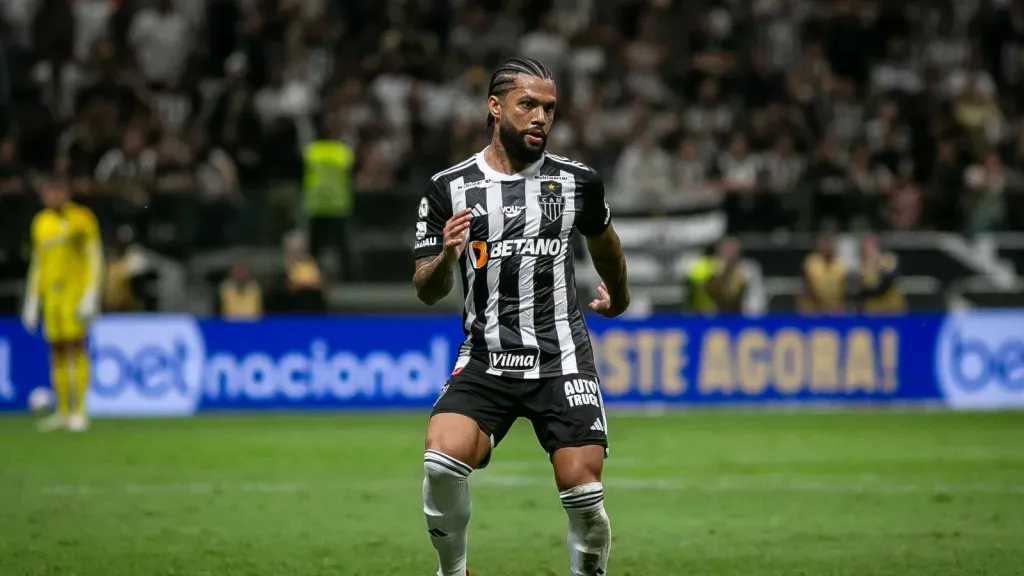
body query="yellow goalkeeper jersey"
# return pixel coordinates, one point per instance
(66, 251)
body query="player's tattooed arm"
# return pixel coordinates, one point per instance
(433, 278)
(610, 263)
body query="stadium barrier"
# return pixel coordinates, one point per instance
(169, 365)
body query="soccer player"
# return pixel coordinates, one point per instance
(64, 284)
(504, 218)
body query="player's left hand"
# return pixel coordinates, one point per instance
(603, 305)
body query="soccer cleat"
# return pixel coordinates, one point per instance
(78, 423)
(52, 422)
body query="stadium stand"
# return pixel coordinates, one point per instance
(185, 121)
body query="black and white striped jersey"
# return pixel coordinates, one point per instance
(521, 317)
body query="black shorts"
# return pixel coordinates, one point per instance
(565, 411)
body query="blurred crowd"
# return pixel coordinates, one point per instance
(718, 282)
(188, 119)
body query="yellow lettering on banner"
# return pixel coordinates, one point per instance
(889, 343)
(860, 361)
(752, 357)
(788, 361)
(646, 342)
(824, 361)
(615, 351)
(715, 363)
(673, 361)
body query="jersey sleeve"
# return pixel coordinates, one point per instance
(32, 283)
(435, 209)
(595, 215)
(93, 249)
(36, 231)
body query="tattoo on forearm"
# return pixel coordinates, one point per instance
(433, 279)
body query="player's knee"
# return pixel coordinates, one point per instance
(577, 466)
(74, 346)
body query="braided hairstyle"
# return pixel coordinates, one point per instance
(504, 78)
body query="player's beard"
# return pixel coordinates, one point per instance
(515, 144)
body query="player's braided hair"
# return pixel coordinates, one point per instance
(504, 78)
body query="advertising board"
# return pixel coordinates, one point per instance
(171, 365)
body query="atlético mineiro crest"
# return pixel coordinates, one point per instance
(552, 203)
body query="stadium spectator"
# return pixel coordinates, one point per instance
(218, 181)
(125, 266)
(162, 39)
(829, 183)
(240, 296)
(739, 172)
(871, 186)
(728, 284)
(132, 162)
(690, 175)
(845, 113)
(234, 124)
(304, 286)
(8, 63)
(825, 280)
(329, 164)
(708, 120)
(126, 175)
(715, 282)
(983, 203)
(904, 206)
(876, 283)
(11, 171)
(287, 98)
(783, 170)
(92, 20)
(643, 176)
(14, 203)
(546, 44)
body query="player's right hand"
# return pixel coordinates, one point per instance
(455, 234)
(30, 317)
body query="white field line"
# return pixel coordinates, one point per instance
(952, 457)
(752, 458)
(199, 488)
(719, 484)
(805, 484)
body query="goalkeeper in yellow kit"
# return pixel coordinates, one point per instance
(64, 285)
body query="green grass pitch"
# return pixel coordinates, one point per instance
(699, 493)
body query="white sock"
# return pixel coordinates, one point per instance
(447, 508)
(590, 533)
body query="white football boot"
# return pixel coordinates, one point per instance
(53, 422)
(78, 422)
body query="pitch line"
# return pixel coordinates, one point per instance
(877, 485)
(867, 484)
(198, 488)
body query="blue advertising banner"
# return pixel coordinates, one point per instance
(769, 359)
(168, 365)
